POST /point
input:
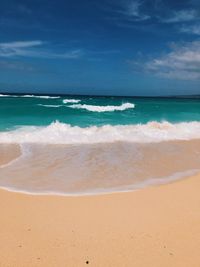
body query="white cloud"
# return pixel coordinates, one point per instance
(21, 44)
(132, 10)
(181, 16)
(192, 29)
(17, 48)
(182, 63)
(35, 49)
(158, 13)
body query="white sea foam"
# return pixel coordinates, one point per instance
(2, 95)
(103, 108)
(65, 101)
(41, 96)
(35, 96)
(24, 152)
(60, 133)
(50, 106)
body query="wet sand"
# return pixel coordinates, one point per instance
(98, 168)
(157, 226)
(8, 153)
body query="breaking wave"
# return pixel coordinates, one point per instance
(103, 108)
(61, 133)
(2, 95)
(65, 101)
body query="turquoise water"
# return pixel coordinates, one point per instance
(26, 111)
(87, 145)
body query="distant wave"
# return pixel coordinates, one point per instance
(65, 101)
(2, 95)
(61, 133)
(41, 96)
(50, 106)
(103, 108)
(36, 96)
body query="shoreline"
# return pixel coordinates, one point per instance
(141, 186)
(96, 169)
(155, 226)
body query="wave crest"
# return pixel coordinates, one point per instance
(34, 96)
(2, 95)
(42, 96)
(60, 133)
(103, 108)
(65, 101)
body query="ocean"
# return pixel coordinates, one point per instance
(76, 145)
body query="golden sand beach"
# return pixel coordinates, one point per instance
(156, 226)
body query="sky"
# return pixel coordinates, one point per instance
(100, 47)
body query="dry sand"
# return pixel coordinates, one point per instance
(157, 226)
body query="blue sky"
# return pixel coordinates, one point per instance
(115, 47)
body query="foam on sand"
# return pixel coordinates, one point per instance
(9, 153)
(88, 168)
